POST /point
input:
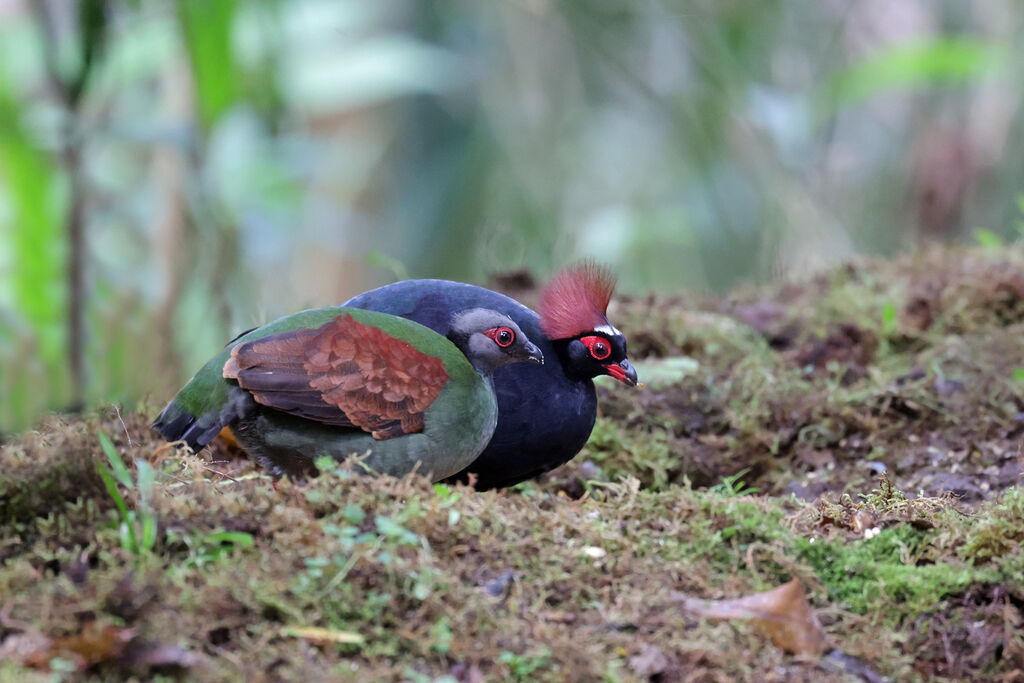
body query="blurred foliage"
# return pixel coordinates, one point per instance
(232, 161)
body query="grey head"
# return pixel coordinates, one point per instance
(490, 339)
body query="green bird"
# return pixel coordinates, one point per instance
(341, 381)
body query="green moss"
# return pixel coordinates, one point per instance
(879, 575)
(756, 464)
(997, 532)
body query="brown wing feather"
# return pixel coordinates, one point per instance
(344, 373)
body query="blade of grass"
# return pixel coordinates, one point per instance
(128, 538)
(146, 480)
(149, 531)
(117, 466)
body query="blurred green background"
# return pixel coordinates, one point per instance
(172, 172)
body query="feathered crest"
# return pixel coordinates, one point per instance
(576, 300)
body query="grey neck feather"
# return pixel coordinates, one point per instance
(479, 350)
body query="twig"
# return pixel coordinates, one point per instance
(226, 476)
(128, 436)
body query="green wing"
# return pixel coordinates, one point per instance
(209, 401)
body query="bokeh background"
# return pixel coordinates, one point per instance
(174, 171)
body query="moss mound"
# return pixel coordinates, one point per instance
(859, 431)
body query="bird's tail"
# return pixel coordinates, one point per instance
(176, 423)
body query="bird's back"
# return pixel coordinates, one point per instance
(544, 416)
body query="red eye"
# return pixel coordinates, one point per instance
(599, 346)
(502, 336)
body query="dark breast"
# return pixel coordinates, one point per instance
(544, 417)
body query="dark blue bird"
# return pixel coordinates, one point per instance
(545, 412)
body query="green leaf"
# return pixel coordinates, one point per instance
(353, 514)
(240, 539)
(146, 480)
(987, 238)
(1017, 375)
(34, 188)
(111, 485)
(889, 322)
(117, 465)
(421, 589)
(325, 463)
(949, 60)
(149, 531)
(128, 539)
(392, 529)
(206, 26)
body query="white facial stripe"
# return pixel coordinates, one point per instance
(609, 330)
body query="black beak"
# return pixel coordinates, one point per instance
(532, 353)
(624, 372)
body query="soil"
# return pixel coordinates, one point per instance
(859, 430)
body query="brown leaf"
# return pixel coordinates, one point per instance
(863, 520)
(782, 613)
(21, 646)
(649, 662)
(465, 673)
(94, 645)
(156, 656)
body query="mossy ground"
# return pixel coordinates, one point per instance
(860, 430)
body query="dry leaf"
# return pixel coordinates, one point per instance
(20, 646)
(649, 662)
(94, 645)
(465, 673)
(153, 656)
(782, 613)
(323, 635)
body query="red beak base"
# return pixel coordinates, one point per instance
(623, 372)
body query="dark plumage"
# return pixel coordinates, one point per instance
(545, 413)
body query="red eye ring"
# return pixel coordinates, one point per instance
(502, 336)
(599, 347)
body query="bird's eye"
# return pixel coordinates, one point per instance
(598, 346)
(502, 336)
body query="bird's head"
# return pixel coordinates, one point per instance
(491, 339)
(573, 311)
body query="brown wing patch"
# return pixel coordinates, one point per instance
(344, 373)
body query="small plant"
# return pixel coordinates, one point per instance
(890, 321)
(522, 666)
(441, 636)
(733, 485)
(448, 500)
(215, 546)
(885, 497)
(138, 529)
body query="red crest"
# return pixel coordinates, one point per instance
(576, 300)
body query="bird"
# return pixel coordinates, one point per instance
(545, 413)
(338, 381)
